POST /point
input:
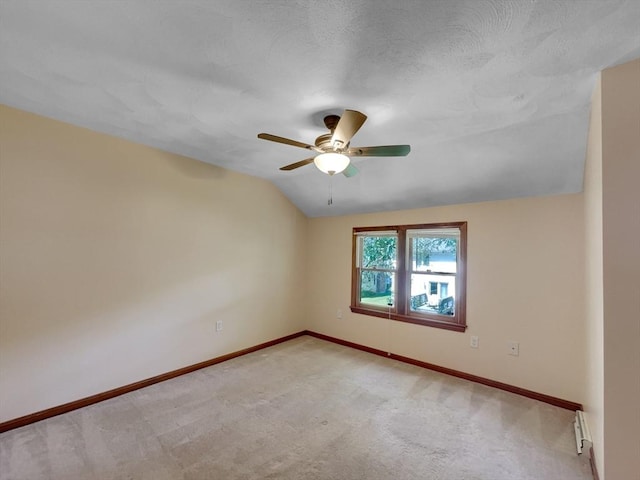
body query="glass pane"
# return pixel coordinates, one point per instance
(432, 293)
(377, 288)
(378, 252)
(434, 254)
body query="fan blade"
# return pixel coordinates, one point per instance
(287, 141)
(382, 151)
(350, 171)
(349, 124)
(299, 164)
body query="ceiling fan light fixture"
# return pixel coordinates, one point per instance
(333, 147)
(331, 163)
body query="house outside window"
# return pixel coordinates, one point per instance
(411, 273)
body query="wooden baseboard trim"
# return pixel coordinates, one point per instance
(84, 402)
(592, 462)
(558, 402)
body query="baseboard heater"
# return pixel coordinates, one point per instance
(583, 436)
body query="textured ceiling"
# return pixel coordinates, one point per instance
(493, 96)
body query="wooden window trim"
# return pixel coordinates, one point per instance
(401, 311)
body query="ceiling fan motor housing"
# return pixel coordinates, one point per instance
(324, 141)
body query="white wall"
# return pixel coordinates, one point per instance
(116, 260)
(525, 270)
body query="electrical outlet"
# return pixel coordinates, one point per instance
(473, 343)
(339, 314)
(219, 326)
(513, 348)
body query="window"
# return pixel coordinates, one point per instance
(378, 268)
(411, 273)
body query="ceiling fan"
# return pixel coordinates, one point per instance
(333, 149)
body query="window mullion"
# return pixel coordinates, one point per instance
(401, 275)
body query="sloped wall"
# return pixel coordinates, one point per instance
(116, 260)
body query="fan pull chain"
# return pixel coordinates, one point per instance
(330, 201)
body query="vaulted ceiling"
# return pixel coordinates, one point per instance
(493, 96)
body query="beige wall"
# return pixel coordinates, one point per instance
(594, 314)
(116, 260)
(524, 283)
(621, 269)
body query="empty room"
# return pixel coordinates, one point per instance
(320, 240)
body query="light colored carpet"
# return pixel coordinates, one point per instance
(304, 409)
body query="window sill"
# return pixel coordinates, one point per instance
(456, 327)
